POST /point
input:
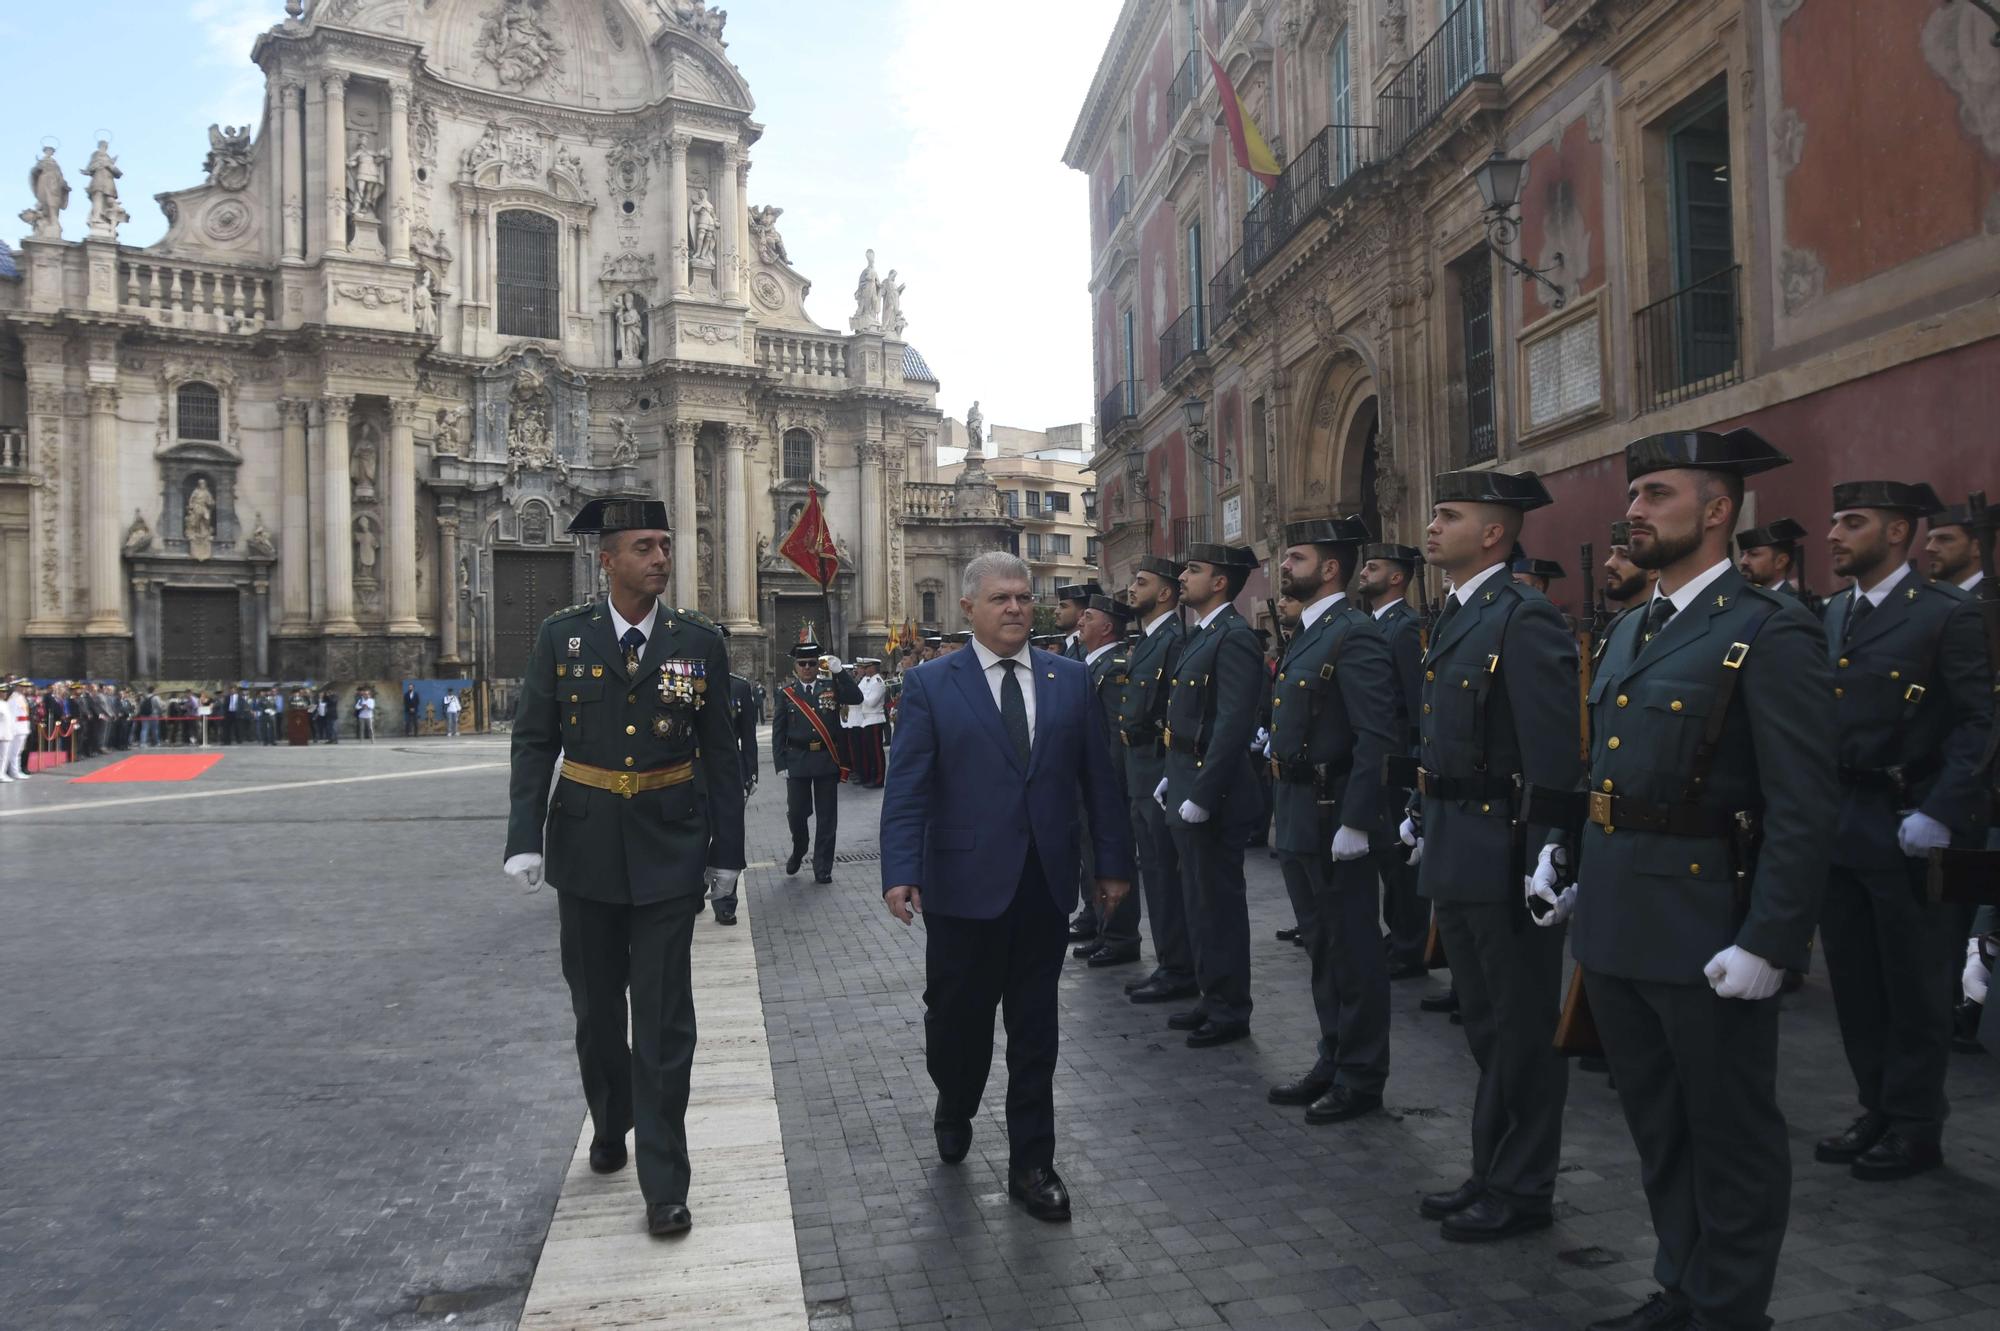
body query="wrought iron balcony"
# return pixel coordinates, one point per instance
(1119, 408)
(1691, 342)
(1458, 52)
(1226, 288)
(1324, 172)
(1119, 204)
(1185, 338)
(1188, 531)
(1185, 88)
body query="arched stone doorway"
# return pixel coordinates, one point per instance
(1333, 467)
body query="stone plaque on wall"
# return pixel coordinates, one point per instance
(1232, 518)
(1565, 373)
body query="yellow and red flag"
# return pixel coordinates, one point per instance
(809, 545)
(1252, 153)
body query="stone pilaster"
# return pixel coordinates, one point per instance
(686, 525)
(447, 589)
(335, 85)
(728, 222)
(739, 543)
(873, 547)
(295, 547)
(677, 220)
(401, 518)
(402, 181)
(103, 543)
(336, 526)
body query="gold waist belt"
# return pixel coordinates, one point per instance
(627, 784)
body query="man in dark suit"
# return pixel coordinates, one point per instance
(1498, 717)
(648, 814)
(1156, 604)
(1209, 791)
(979, 833)
(805, 747)
(410, 709)
(1710, 806)
(1913, 706)
(1383, 586)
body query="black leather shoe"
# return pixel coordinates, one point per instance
(1849, 1146)
(1301, 1091)
(1112, 956)
(953, 1141)
(1212, 1033)
(1658, 1313)
(1298, 940)
(822, 878)
(607, 1157)
(1490, 1219)
(1444, 1002)
(793, 861)
(1409, 970)
(665, 1219)
(1340, 1104)
(729, 918)
(1438, 1205)
(1192, 1019)
(1081, 928)
(1896, 1157)
(1040, 1192)
(1288, 935)
(1792, 983)
(1087, 948)
(1154, 991)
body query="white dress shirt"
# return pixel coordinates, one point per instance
(1464, 594)
(1972, 581)
(989, 662)
(1387, 606)
(1164, 616)
(1310, 615)
(645, 626)
(1097, 652)
(1880, 591)
(1687, 593)
(1209, 618)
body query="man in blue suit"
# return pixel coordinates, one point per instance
(996, 746)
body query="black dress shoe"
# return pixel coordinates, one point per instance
(1340, 1104)
(1081, 929)
(1896, 1157)
(1849, 1146)
(953, 1141)
(1301, 1091)
(1658, 1313)
(1489, 1219)
(1190, 1020)
(721, 918)
(1134, 986)
(1155, 991)
(1438, 1205)
(1112, 956)
(822, 878)
(664, 1219)
(1212, 1033)
(607, 1157)
(1087, 948)
(1288, 935)
(1444, 1002)
(1792, 983)
(1409, 970)
(1040, 1192)
(1299, 940)
(793, 861)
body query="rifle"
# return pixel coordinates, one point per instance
(1426, 615)
(1277, 625)
(1974, 875)
(1588, 627)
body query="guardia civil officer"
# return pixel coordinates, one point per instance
(1071, 601)
(1209, 790)
(1155, 594)
(1498, 717)
(648, 813)
(1950, 549)
(1537, 573)
(1383, 586)
(1100, 632)
(804, 748)
(1710, 806)
(1625, 583)
(1336, 713)
(743, 723)
(1769, 557)
(1913, 704)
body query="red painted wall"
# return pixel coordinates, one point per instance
(1149, 93)
(1158, 253)
(1562, 207)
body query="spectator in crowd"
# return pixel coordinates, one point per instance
(149, 718)
(15, 702)
(364, 716)
(452, 707)
(410, 705)
(10, 732)
(267, 717)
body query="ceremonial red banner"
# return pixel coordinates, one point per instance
(809, 545)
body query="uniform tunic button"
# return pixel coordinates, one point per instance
(572, 719)
(1607, 783)
(1486, 808)
(628, 762)
(1675, 705)
(1611, 743)
(631, 698)
(572, 697)
(1895, 674)
(1840, 693)
(1430, 676)
(1843, 663)
(1427, 709)
(1694, 868)
(1277, 702)
(1623, 700)
(631, 730)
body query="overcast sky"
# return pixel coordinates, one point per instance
(929, 130)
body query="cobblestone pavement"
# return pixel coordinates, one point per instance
(293, 1059)
(1200, 1205)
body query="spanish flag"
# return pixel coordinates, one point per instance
(1252, 153)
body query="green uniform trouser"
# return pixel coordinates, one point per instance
(607, 948)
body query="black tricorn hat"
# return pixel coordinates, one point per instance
(1621, 535)
(1390, 551)
(1522, 490)
(1744, 452)
(809, 650)
(1079, 591)
(1897, 496)
(1222, 556)
(1161, 567)
(1328, 531)
(1118, 610)
(1960, 515)
(1779, 531)
(604, 516)
(1539, 568)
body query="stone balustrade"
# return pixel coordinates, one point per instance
(13, 448)
(203, 297)
(930, 500)
(803, 359)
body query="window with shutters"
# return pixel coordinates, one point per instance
(930, 607)
(1475, 301)
(530, 282)
(798, 455)
(198, 413)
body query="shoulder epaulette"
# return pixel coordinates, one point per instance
(698, 619)
(569, 610)
(1755, 592)
(1948, 590)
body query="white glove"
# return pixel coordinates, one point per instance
(721, 882)
(526, 869)
(1192, 813)
(1261, 741)
(835, 664)
(1407, 833)
(1349, 843)
(1160, 793)
(1734, 973)
(1976, 977)
(1541, 884)
(1266, 750)
(1920, 833)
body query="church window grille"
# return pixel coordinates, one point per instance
(198, 410)
(530, 275)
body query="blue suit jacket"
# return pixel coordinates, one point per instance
(960, 816)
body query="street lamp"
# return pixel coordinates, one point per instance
(1499, 180)
(1194, 412)
(1090, 504)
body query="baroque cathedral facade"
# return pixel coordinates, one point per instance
(481, 262)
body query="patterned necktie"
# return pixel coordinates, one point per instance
(1657, 615)
(634, 642)
(1860, 610)
(1014, 710)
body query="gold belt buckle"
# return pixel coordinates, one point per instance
(1167, 737)
(1600, 809)
(624, 785)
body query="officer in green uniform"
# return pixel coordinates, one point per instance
(1498, 718)
(1537, 573)
(805, 733)
(1700, 856)
(1101, 634)
(1209, 790)
(1768, 557)
(1336, 713)
(1912, 711)
(1071, 602)
(648, 813)
(1625, 583)
(1384, 583)
(1156, 604)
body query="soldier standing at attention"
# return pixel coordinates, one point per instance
(1499, 716)
(648, 814)
(1071, 602)
(1209, 790)
(1384, 586)
(1709, 810)
(1336, 713)
(1768, 557)
(1101, 633)
(1625, 583)
(1950, 550)
(803, 748)
(1913, 706)
(1156, 605)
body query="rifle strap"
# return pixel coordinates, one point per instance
(1725, 693)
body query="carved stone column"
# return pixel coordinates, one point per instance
(48, 501)
(107, 582)
(728, 222)
(336, 164)
(260, 591)
(292, 205)
(677, 216)
(745, 256)
(337, 531)
(873, 547)
(295, 552)
(400, 496)
(402, 183)
(686, 524)
(447, 589)
(739, 543)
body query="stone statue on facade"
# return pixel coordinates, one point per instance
(367, 171)
(199, 520)
(530, 445)
(447, 441)
(139, 536)
(106, 213)
(694, 16)
(631, 315)
(701, 227)
(425, 300)
(367, 546)
(520, 49)
(487, 151)
(975, 431)
(867, 299)
(625, 451)
(892, 305)
(51, 190)
(259, 542)
(361, 465)
(228, 163)
(764, 235)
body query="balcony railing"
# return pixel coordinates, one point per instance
(1690, 343)
(1458, 52)
(809, 360)
(1226, 14)
(1120, 405)
(1119, 204)
(1185, 338)
(1226, 287)
(13, 448)
(1322, 173)
(1186, 87)
(208, 298)
(1186, 532)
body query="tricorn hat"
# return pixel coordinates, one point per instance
(1744, 452)
(1621, 535)
(1539, 568)
(1118, 610)
(1779, 531)
(1161, 567)
(1222, 556)
(1897, 496)
(1390, 551)
(1080, 592)
(1522, 490)
(604, 516)
(1327, 531)
(1960, 515)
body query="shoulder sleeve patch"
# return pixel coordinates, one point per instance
(696, 618)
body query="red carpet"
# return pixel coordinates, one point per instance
(154, 767)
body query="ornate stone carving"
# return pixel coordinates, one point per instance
(764, 235)
(566, 170)
(867, 299)
(367, 172)
(628, 313)
(448, 437)
(628, 168)
(893, 321)
(530, 443)
(425, 301)
(696, 17)
(51, 190)
(1957, 45)
(1788, 141)
(199, 520)
(228, 162)
(259, 542)
(364, 461)
(367, 548)
(1801, 278)
(713, 335)
(701, 228)
(106, 213)
(1395, 24)
(371, 297)
(520, 48)
(625, 448)
(139, 536)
